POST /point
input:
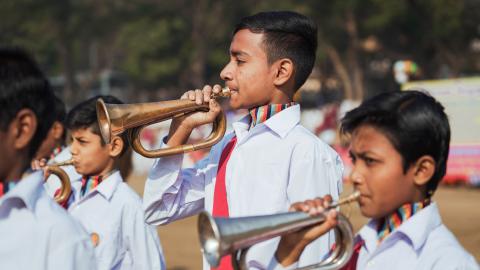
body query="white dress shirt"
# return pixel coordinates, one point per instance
(114, 212)
(421, 242)
(36, 233)
(273, 165)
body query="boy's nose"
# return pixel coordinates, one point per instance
(73, 150)
(356, 177)
(226, 73)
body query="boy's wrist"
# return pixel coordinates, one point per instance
(289, 251)
(179, 133)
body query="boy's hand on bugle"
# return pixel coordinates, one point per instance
(292, 245)
(182, 126)
(40, 165)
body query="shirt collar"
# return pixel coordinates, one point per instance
(263, 113)
(280, 123)
(28, 190)
(108, 186)
(421, 224)
(416, 228)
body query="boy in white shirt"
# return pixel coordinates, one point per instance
(270, 160)
(54, 150)
(108, 208)
(54, 142)
(35, 232)
(399, 150)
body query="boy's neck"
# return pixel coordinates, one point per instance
(107, 171)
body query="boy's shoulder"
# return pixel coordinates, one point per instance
(442, 245)
(302, 134)
(52, 217)
(440, 248)
(302, 138)
(126, 195)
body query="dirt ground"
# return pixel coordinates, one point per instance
(459, 207)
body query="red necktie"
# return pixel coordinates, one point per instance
(66, 202)
(352, 263)
(220, 203)
(1, 189)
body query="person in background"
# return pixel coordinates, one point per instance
(55, 150)
(35, 232)
(108, 208)
(54, 143)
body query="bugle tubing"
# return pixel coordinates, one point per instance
(114, 119)
(66, 188)
(222, 236)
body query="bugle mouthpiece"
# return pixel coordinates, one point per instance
(63, 163)
(351, 198)
(225, 93)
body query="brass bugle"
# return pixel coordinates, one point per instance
(114, 119)
(223, 236)
(66, 188)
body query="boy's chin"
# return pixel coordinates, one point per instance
(369, 213)
(86, 172)
(235, 105)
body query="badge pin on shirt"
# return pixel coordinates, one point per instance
(95, 239)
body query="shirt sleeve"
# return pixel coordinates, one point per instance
(315, 172)
(143, 242)
(173, 193)
(275, 265)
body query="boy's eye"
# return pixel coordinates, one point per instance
(240, 62)
(369, 161)
(352, 158)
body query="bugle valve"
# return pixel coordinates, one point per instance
(66, 188)
(114, 119)
(223, 236)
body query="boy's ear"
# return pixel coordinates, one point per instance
(116, 146)
(424, 170)
(284, 71)
(23, 128)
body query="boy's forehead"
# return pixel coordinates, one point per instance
(245, 42)
(84, 132)
(369, 138)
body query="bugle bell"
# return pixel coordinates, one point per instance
(66, 188)
(115, 119)
(223, 236)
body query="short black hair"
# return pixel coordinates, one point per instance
(287, 34)
(60, 113)
(24, 86)
(84, 116)
(415, 123)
